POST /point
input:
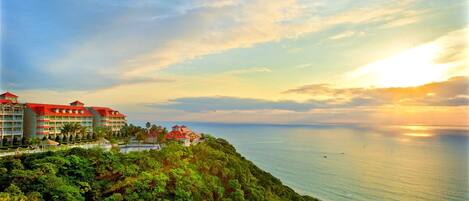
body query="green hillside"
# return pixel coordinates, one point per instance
(211, 170)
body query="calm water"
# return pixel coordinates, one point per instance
(357, 163)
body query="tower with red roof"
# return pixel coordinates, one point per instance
(11, 116)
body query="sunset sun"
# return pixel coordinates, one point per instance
(411, 67)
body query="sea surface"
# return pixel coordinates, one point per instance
(343, 162)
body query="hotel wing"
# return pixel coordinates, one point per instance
(46, 120)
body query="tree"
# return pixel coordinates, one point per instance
(211, 170)
(154, 130)
(66, 129)
(65, 139)
(101, 133)
(71, 139)
(147, 125)
(58, 138)
(81, 133)
(78, 137)
(15, 141)
(70, 130)
(33, 142)
(161, 135)
(5, 142)
(126, 140)
(13, 192)
(24, 141)
(141, 136)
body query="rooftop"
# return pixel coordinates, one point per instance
(108, 112)
(3, 101)
(58, 110)
(77, 103)
(8, 94)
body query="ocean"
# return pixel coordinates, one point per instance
(345, 162)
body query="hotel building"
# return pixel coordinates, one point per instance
(107, 117)
(38, 120)
(47, 119)
(11, 116)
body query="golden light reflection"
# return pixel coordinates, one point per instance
(415, 127)
(418, 134)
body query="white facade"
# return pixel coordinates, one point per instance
(11, 120)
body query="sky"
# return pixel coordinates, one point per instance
(237, 61)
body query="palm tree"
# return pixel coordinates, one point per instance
(101, 132)
(82, 132)
(34, 142)
(70, 130)
(141, 136)
(148, 125)
(66, 130)
(98, 132)
(162, 134)
(154, 130)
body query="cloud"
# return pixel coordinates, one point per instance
(452, 92)
(406, 18)
(303, 66)
(249, 71)
(395, 115)
(139, 40)
(346, 34)
(437, 103)
(204, 104)
(244, 25)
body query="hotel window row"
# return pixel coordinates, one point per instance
(37, 120)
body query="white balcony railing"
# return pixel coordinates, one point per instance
(11, 133)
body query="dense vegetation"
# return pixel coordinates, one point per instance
(211, 170)
(75, 133)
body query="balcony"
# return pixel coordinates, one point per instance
(9, 126)
(3, 133)
(11, 112)
(11, 119)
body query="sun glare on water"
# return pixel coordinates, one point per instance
(418, 134)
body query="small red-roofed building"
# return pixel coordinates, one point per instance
(9, 97)
(183, 134)
(48, 119)
(107, 117)
(11, 116)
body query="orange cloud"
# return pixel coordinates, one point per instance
(452, 92)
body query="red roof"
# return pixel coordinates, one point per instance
(2, 101)
(175, 135)
(8, 94)
(107, 112)
(51, 110)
